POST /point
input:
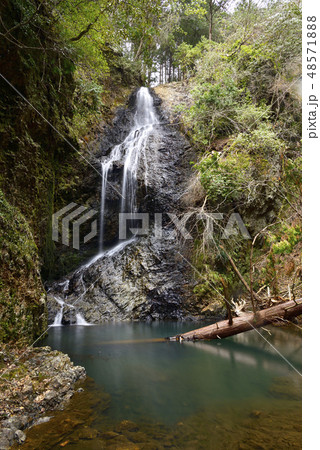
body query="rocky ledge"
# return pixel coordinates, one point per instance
(33, 381)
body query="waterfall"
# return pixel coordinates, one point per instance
(117, 248)
(112, 251)
(130, 152)
(136, 142)
(138, 155)
(106, 166)
(80, 320)
(104, 171)
(58, 318)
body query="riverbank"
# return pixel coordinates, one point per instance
(33, 381)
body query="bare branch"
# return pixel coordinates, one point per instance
(89, 26)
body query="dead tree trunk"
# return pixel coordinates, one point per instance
(236, 270)
(246, 322)
(227, 300)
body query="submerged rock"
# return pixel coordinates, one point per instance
(20, 436)
(4, 443)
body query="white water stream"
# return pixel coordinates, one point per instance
(58, 318)
(132, 152)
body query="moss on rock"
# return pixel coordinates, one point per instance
(22, 296)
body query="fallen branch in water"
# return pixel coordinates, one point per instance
(247, 321)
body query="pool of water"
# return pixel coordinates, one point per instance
(216, 394)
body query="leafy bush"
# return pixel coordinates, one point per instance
(285, 239)
(248, 116)
(261, 140)
(212, 114)
(88, 94)
(186, 56)
(224, 178)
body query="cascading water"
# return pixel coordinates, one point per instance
(80, 320)
(59, 316)
(138, 278)
(104, 172)
(136, 143)
(130, 151)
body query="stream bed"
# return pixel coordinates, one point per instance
(145, 393)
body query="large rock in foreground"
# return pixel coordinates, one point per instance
(32, 382)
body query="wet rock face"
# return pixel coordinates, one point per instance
(162, 174)
(145, 281)
(122, 122)
(148, 279)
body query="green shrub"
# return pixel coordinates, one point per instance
(262, 140)
(224, 177)
(285, 239)
(212, 114)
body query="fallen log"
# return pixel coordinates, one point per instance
(245, 322)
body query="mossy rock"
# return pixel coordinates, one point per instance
(22, 296)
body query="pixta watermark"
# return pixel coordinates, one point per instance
(75, 217)
(234, 226)
(142, 224)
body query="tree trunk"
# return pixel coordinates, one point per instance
(210, 20)
(246, 322)
(137, 55)
(210, 31)
(243, 281)
(170, 71)
(227, 300)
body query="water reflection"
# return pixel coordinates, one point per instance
(167, 381)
